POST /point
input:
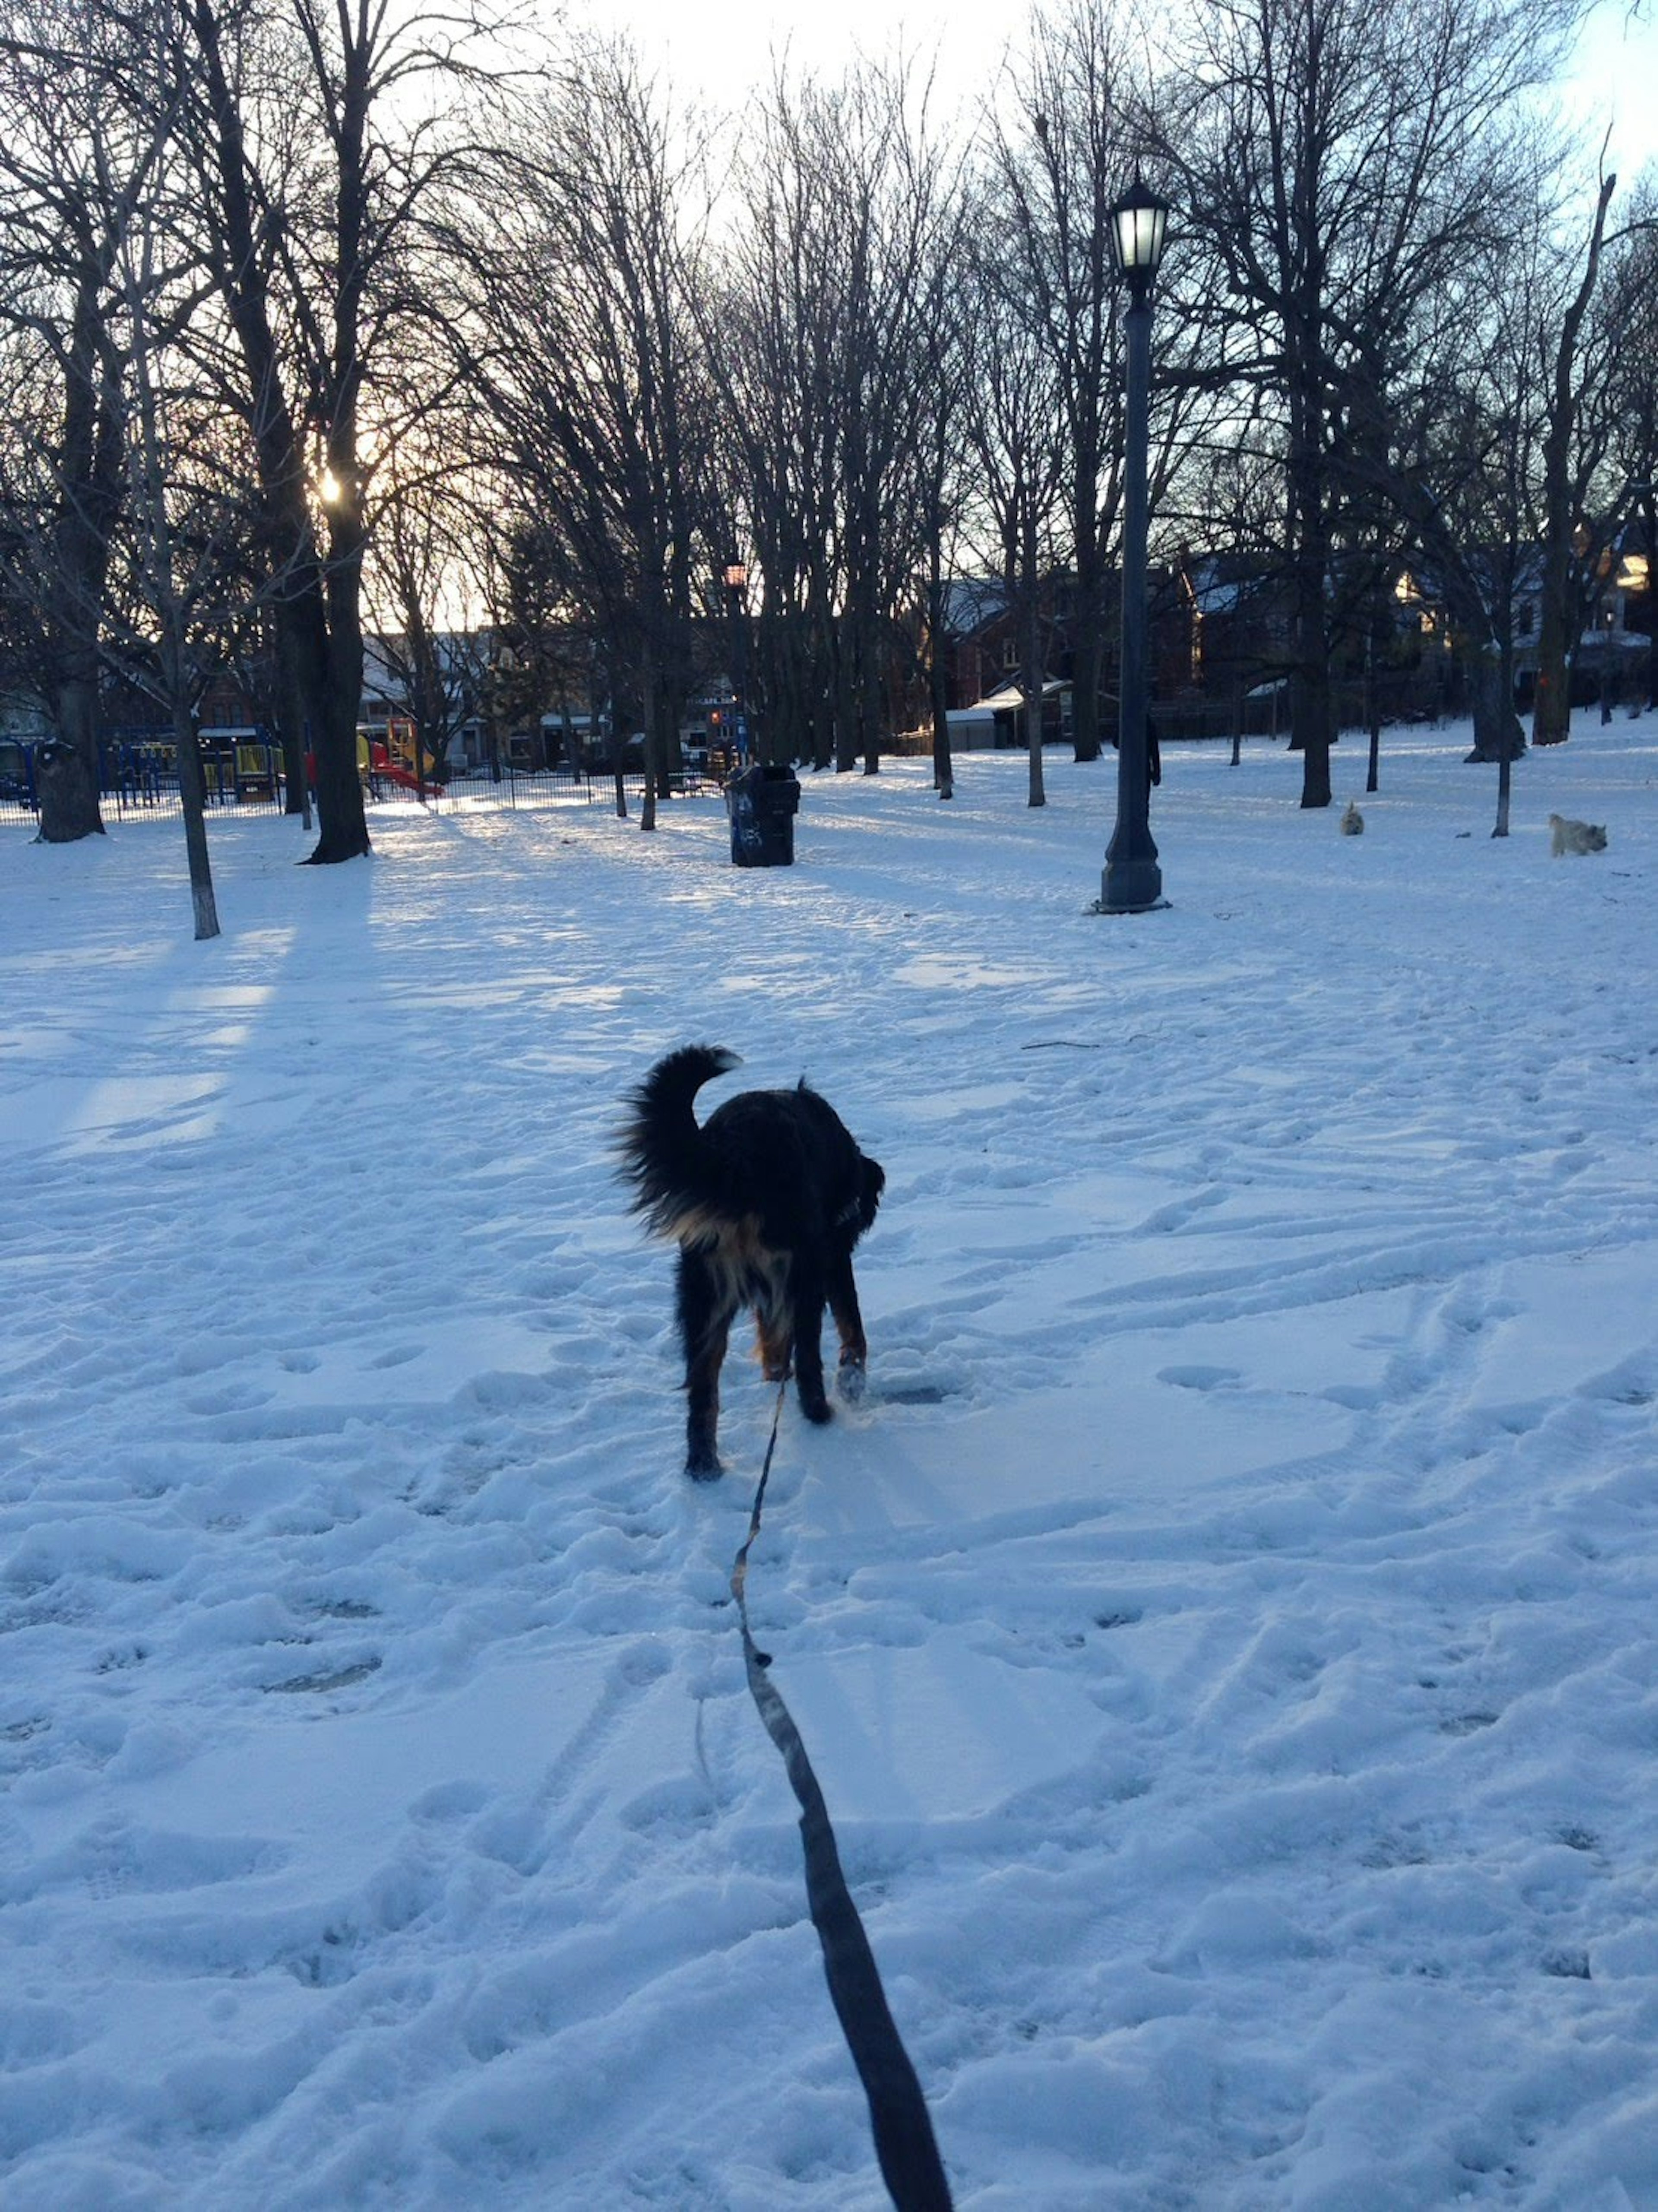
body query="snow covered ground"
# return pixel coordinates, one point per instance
(1225, 1635)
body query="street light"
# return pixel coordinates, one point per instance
(1609, 623)
(1132, 881)
(736, 584)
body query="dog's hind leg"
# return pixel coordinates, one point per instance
(806, 1301)
(705, 1319)
(849, 1325)
(773, 1341)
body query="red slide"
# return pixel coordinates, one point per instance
(405, 777)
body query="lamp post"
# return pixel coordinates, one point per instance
(1608, 630)
(1132, 881)
(736, 584)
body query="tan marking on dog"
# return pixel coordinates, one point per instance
(749, 1272)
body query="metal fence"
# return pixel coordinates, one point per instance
(140, 783)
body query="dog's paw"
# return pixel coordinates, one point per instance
(853, 1380)
(817, 1409)
(704, 1467)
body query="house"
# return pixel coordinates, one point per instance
(982, 642)
(1616, 634)
(1238, 618)
(998, 720)
(977, 637)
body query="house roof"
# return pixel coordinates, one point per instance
(1005, 702)
(969, 602)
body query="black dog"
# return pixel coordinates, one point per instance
(766, 1200)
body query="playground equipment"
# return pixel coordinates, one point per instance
(392, 750)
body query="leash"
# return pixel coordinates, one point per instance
(904, 2142)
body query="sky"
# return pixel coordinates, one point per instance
(720, 51)
(1617, 82)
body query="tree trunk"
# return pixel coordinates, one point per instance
(1498, 736)
(1310, 718)
(158, 564)
(1088, 650)
(1558, 623)
(1551, 707)
(1310, 733)
(67, 785)
(618, 752)
(944, 769)
(652, 740)
(192, 794)
(1033, 700)
(1504, 787)
(846, 705)
(90, 459)
(823, 717)
(1309, 729)
(290, 725)
(868, 690)
(319, 603)
(329, 667)
(1034, 674)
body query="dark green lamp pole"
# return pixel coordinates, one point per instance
(736, 584)
(1132, 881)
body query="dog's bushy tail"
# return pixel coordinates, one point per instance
(661, 1149)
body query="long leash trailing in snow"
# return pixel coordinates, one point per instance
(904, 2142)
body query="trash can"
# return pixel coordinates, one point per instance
(762, 802)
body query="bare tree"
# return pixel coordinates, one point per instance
(1343, 165)
(1570, 460)
(588, 359)
(72, 171)
(1631, 310)
(827, 336)
(944, 492)
(433, 533)
(1443, 487)
(326, 141)
(169, 594)
(770, 331)
(1015, 419)
(1058, 169)
(1481, 420)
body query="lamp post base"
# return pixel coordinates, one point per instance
(1131, 887)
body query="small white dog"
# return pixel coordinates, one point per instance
(1352, 821)
(1566, 835)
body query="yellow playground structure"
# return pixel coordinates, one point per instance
(392, 748)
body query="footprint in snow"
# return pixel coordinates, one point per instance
(337, 1678)
(1201, 1378)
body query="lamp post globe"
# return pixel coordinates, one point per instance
(1140, 225)
(1132, 881)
